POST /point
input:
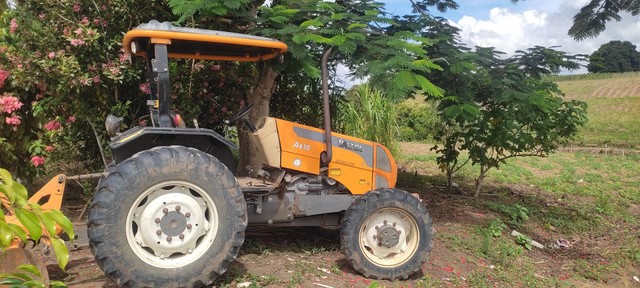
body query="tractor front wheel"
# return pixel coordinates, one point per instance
(167, 217)
(387, 234)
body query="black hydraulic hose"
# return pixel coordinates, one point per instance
(327, 112)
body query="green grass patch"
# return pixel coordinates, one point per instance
(613, 122)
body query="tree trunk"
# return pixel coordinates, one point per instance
(479, 180)
(259, 96)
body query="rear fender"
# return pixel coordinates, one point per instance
(138, 139)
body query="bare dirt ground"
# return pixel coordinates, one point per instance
(287, 257)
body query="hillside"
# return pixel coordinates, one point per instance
(614, 106)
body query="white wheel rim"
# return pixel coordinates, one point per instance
(377, 241)
(172, 224)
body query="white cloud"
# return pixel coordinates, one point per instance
(509, 30)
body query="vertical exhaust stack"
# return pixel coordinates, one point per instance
(326, 156)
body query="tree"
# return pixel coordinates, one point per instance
(615, 56)
(513, 112)
(364, 39)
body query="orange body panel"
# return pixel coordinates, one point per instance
(352, 164)
(268, 48)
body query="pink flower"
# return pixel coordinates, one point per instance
(9, 104)
(42, 16)
(85, 20)
(71, 119)
(145, 88)
(78, 31)
(3, 76)
(14, 120)
(76, 7)
(96, 79)
(122, 57)
(49, 148)
(215, 67)
(77, 42)
(103, 7)
(142, 123)
(52, 55)
(37, 161)
(13, 26)
(52, 125)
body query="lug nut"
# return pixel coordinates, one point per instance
(158, 232)
(377, 227)
(168, 238)
(188, 214)
(394, 224)
(165, 210)
(385, 222)
(189, 226)
(181, 236)
(178, 207)
(157, 220)
(375, 237)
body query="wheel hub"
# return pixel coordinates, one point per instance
(388, 236)
(173, 223)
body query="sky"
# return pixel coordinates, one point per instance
(509, 27)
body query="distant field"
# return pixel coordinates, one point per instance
(614, 108)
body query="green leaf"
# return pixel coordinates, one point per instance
(404, 79)
(20, 190)
(428, 87)
(46, 221)
(18, 231)
(356, 25)
(337, 16)
(30, 221)
(57, 284)
(63, 221)
(34, 283)
(279, 19)
(62, 252)
(5, 235)
(30, 269)
(8, 279)
(312, 22)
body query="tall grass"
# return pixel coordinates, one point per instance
(370, 115)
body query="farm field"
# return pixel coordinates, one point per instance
(614, 103)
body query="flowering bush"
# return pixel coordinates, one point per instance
(60, 63)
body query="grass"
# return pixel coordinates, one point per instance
(571, 194)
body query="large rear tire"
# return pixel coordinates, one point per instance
(387, 234)
(167, 217)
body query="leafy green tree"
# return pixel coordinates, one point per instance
(365, 40)
(615, 56)
(513, 112)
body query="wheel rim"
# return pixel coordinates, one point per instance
(172, 224)
(389, 237)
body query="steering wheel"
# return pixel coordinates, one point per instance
(244, 112)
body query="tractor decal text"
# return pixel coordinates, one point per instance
(302, 146)
(349, 145)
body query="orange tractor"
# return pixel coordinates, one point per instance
(171, 213)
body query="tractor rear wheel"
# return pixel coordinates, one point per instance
(167, 217)
(387, 234)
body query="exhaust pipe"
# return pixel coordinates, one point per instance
(326, 156)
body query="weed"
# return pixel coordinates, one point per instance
(589, 269)
(517, 213)
(496, 227)
(524, 241)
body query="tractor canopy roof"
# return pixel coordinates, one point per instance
(193, 43)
